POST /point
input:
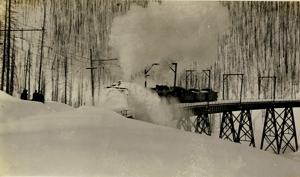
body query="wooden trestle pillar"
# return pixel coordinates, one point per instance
(245, 128)
(184, 121)
(202, 123)
(227, 126)
(245, 131)
(279, 130)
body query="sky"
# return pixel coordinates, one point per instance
(53, 139)
(175, 31)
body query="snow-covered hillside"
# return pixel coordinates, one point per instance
(98, 141)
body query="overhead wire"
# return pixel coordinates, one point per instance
(72, 64)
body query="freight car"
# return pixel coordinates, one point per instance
(185, 96)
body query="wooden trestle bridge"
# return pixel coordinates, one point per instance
(279, 130)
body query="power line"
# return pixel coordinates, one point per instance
(22, 30)
(71, 63)
(47, 57)
(60, 51)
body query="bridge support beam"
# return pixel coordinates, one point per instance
(227, 127)
(279, 130)
(288, 131)
(245, 128)
(184, 121)
(202, 124)
(245, 131)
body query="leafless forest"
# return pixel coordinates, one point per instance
(263, 40)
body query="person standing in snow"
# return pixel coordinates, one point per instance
(35, 96)
(119, 83)
(41, 97)
(24, 95)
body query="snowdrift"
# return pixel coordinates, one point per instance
(58, 107)
(98, 141)
(13, 108)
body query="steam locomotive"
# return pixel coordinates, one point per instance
(182, 95)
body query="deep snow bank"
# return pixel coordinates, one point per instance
(14, 108)
(59, 107)
(97, 141)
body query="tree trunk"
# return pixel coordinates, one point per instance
(8, 49)
(4, 48)
(12, 74)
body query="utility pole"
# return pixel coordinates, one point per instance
(26, 69)
(92, 73)
(274, 84)
(186, 77)
(102, 60)
(146, 71)
(92, 76)
(207, 73)
(8, 48)
(4, 49)
(175, 73)
(41, 59)
(29, 68)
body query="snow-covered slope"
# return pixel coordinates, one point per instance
(98, 141)
(58, 107)
(13, 108)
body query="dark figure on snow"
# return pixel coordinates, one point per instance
(119, 82)
(41, 97)
(35, 96)
(24, 95)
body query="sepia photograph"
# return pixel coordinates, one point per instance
(149, 88)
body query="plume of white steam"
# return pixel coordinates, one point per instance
(174, 31)
(143, 104)
(113, 99)
(148, 107)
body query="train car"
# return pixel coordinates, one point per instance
(207, 94)
(186, 96)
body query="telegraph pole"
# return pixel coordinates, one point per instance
(99, 76)
(8, 48)
(4, 49)
(41, 59)
(26, 70)
(92, 76)
(29, 68)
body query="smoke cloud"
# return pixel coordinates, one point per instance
(175, 31)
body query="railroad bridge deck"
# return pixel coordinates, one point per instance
(234, 105)
(279, 130)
